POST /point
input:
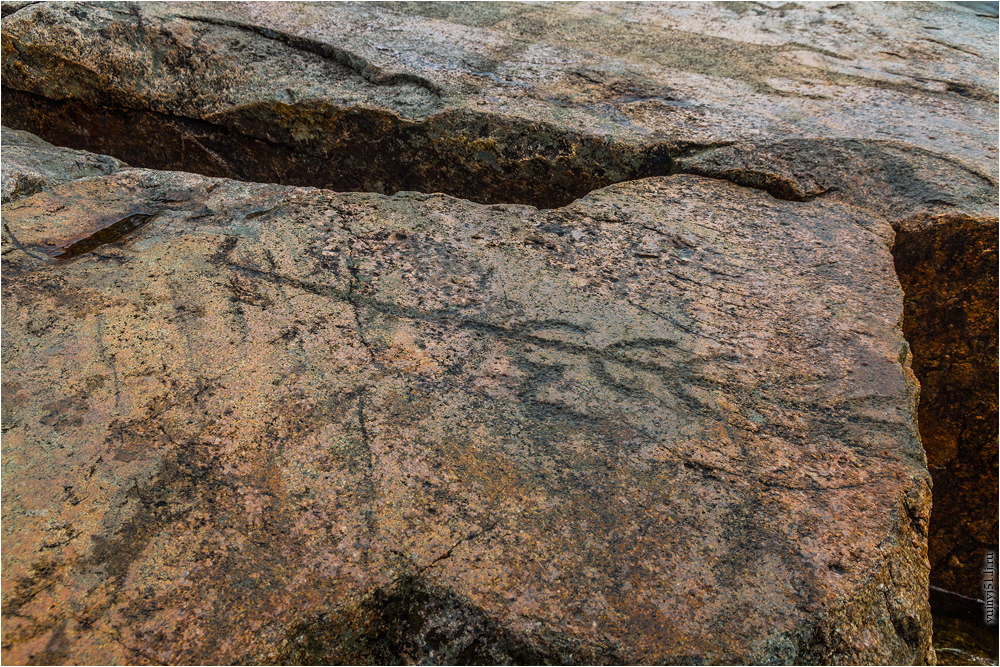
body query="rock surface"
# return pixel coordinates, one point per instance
(31, 165)
(496, 103)
(883, 116)
(945, 250)
(288, 425)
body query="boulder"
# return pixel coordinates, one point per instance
(671, 422)
(945, 252)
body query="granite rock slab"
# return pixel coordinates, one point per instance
(671, 422)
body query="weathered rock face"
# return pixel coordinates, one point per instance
(497, 433)
(945, 252)
(289, 425)
(946, 257)
(893, 181)
(495, 103)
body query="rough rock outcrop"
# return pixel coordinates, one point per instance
(31, 165)
(275, 424)
(496, 103)
(662, 367)
(945, 250)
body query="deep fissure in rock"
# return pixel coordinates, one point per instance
(481, 157)
(948, 271)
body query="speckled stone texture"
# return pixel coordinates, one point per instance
(658, 420)
(272, 418)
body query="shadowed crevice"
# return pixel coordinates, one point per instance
(476, 156)
(109, 234)
(414, 622)
(948, 270)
